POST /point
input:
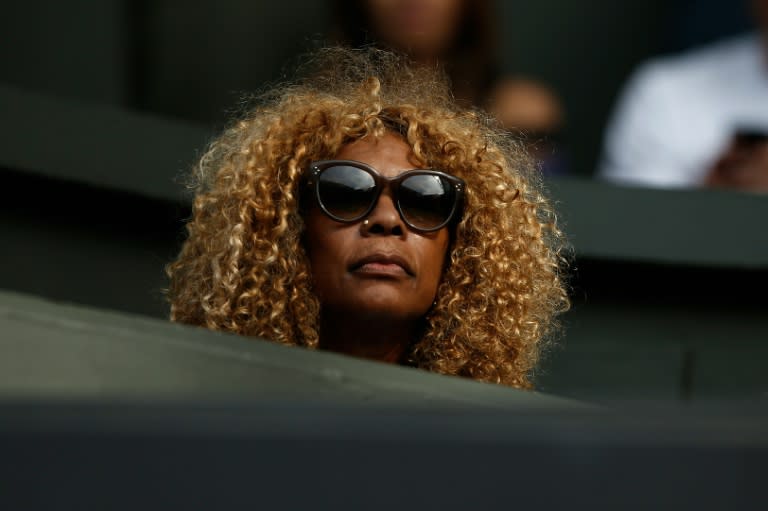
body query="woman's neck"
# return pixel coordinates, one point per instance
(371, 338)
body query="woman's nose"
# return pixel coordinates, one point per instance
(384, 218)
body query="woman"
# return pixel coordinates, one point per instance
(319, 221)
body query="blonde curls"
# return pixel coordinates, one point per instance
(244, 269)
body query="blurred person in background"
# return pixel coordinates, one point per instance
(459, 35)
(697, 119)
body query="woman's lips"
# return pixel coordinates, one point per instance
(385, 265)
(381, 269)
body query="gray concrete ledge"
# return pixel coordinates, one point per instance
(99, 145)
(692, 227)
(52, 350)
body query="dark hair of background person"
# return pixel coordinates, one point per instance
(470, 61)
(461, 39)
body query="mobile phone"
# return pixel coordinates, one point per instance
(747, 137)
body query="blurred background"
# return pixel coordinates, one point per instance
(193, 61)
(104, 104)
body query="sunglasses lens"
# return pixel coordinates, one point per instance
(346, 192)
(426, 201)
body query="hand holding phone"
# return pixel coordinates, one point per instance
(744, 164)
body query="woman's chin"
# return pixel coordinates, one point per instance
(384, 306)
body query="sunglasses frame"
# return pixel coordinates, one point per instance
(380, 182)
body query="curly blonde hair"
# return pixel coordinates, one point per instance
(244, 269)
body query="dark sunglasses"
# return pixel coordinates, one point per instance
(347, 191)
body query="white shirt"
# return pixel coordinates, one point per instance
(677, 115)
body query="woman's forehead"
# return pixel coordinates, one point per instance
(389, 154)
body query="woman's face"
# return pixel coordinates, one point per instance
(377, 267)
(423, 28)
